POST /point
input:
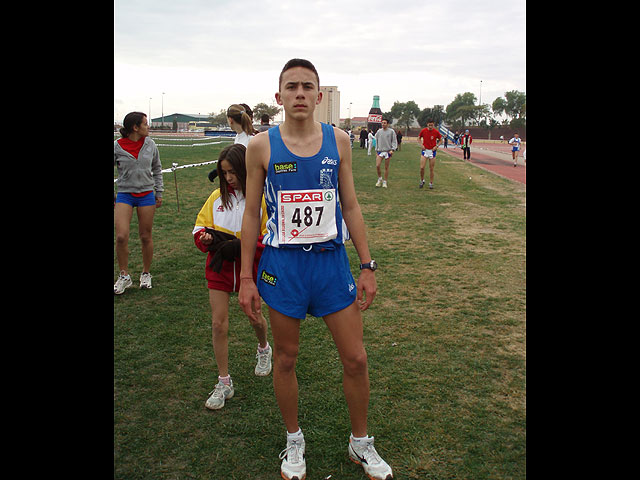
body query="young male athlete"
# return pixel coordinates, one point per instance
(515, 144)
(304, 168)
(430, 139)
(386, 143)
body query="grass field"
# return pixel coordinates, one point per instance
(445, 339)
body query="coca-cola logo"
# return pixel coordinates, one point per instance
(374, 118)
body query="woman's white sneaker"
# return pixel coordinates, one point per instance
(364, 453)
(263, 365)
(145, 280)
(220, 393)
(123, 282)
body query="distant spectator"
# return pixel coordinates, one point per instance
(264, 123)
(363, 138)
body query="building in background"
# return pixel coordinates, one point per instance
(328, 111)
(182, 119)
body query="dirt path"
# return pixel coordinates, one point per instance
(494, 157)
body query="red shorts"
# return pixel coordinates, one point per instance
(228, 279)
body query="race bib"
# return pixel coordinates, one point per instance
(306, 216)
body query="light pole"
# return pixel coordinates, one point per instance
(162, 109)
(150, 121)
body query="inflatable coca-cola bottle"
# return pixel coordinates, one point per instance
(374, 120)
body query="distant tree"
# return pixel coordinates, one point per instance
(262, 108)
(218, 119)
(405, 113)
(462, 109)
(436, 114)
(513, 105)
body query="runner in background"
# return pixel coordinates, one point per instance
(515, 144)
(386, 143)
(430, 139)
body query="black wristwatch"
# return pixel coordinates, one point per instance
(372, 265)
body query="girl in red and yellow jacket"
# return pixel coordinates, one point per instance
(217, 232)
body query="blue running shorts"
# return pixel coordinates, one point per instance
(146, 201)
(295, 282)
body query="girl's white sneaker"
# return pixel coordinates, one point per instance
(123, 282)
(219, 394)
(145, 280)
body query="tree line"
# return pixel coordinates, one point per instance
(463, 112)
(460, 113)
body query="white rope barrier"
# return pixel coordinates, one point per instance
(175, 166)
(192, 145)
(226, 139)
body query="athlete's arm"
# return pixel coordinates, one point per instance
(353, 218)
(257, 151)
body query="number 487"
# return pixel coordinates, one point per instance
(308, 216)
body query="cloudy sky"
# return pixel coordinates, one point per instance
(207, 54)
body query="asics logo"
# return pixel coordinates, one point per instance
(329, 161)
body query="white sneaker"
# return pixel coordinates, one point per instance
(379, 182)
(431, 185)
(384, 184)
(123, 282)
(364, 453)
(263, 367)
(145, 280)
(293, 465)
(218, 396)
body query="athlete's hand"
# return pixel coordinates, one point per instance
(158, 202)
(367, 286)
(205, 238)
(249, 299)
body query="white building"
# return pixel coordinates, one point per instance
(328, 111)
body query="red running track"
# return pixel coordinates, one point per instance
(494, 157)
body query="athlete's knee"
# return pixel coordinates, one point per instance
(355, 364)
(285, 359)
(146, 237)
(219, 325)
(122, 238)
(260, 322)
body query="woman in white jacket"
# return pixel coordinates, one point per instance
(217, 231)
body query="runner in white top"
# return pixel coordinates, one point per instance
(515, 143)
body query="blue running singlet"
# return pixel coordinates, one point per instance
(301, 194)
(304, 268)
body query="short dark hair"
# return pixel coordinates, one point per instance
(386, 120)
(298, 62)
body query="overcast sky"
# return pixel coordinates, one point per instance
(208, 54)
